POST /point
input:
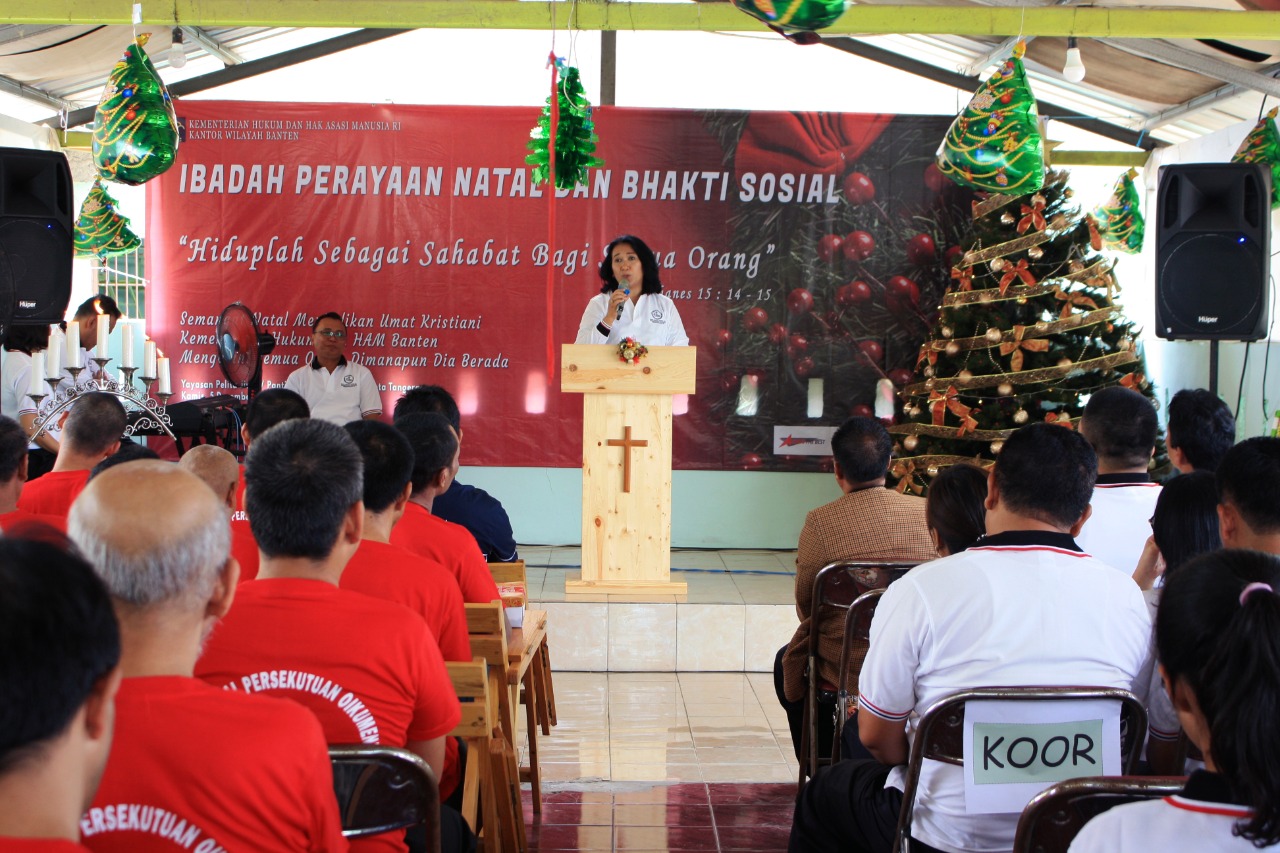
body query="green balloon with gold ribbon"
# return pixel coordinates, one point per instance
(794, 14)
(135, 133)
(101, 230)
(1262, 145)
(995, 143)
(1120, 220)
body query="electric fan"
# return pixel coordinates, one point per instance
(241, 347)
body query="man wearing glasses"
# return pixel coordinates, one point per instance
(337, 390)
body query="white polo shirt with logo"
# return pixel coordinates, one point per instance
(1118, 529)
(1023, 608)
(653, 321)
(347, 394)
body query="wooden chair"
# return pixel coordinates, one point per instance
(835, 587)
(940, 735)
(857, 627)
(514, 572)
(1055, 816)
(383, 789)
(486, 788)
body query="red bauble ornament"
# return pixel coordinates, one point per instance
(851, 294)
(723, 337)
(797, 343)
(934, 179)
(921, 250)
(858, 188)
(858, 246)
(755, 319)
(901, 376)
(953, 256)
(872, 350)
(804, 366)
(777, 333)
(800, 301)
(903, 290)
(862, 410)
(752, 460)
(829, 247)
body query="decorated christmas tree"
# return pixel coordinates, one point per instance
(1120, 219)
(101, 230)
(135, 130)
(575, 136)
(1262, 145)
(995, 143)
(1028, 330)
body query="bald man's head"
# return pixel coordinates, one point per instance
(218, 468)
(174, 556)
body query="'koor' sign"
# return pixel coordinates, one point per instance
(1014, 750)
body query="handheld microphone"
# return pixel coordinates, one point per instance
(621, 305)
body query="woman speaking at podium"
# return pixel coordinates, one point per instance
(631, 304)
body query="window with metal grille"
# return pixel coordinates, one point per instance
(123, 278)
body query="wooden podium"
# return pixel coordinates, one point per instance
(626, 464)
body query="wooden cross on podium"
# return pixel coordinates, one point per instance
(626, 442)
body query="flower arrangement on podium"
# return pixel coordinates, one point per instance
(631, 350)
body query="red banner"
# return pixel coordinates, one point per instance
(421, 226)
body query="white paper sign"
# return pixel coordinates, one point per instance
(1013, 750)
(802, 440)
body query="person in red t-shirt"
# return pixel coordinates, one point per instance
(368, 669)
(217, 768)
(57, 694)
(91, 433)
(13, 475)
(435, 451)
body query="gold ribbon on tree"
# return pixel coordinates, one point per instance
(1073, 300)
(1058, 418)
(1017, 345)
(948, 401)
(964, 275)
(1032, 215)
(1020, 270)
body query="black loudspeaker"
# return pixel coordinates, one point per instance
(1213, 248)
(35, 236)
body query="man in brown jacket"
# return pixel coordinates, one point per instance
(867, 522)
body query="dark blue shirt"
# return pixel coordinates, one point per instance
(482, 514)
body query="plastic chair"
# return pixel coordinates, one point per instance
(1054, 816)
(382, 789)
(857, 626)
(835, 587)
(940, 735)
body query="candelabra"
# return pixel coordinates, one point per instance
(152, 413)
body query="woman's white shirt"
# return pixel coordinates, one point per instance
(653, 321)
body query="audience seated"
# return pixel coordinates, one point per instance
(266, 409)
(1218, 636)
(209, 768)
(14, 460)
(217, 468)
(369, 669)
(1200, 429)
(1024, 606)
(1249, 495)
(90, 434)
(867, 522)
(1121, 425)
(955, 511)
(58, 678)
(419, 530)
(475, 509)
(1185, 525)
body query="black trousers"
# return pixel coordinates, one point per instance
(847, 809)
(826, 712)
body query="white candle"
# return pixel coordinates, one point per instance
(53, 360)
(126, 345)
(104, 336)
(73, 345)
(36, 383)
(163, 365)
(149, 359)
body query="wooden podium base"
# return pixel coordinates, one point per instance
(575, 584)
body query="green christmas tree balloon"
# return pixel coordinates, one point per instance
(794, 14)
(575, 136)
(101, 230)
(135, 134)
(1262, 145)
(995, 144)
(1120, 220)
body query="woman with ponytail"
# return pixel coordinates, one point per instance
(1218, 638)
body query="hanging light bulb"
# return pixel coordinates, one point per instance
(177, 56)
(1073, 71)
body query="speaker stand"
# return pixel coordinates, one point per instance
(1213, 367)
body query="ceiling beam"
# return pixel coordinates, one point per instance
(38, 96)
(1190, 60)
(991, 21)
(966, 82)
(212, 46)
(245, 70)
